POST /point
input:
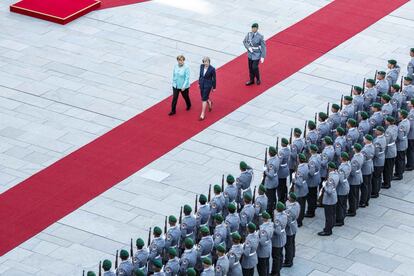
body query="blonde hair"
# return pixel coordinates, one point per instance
(206, 59)
(181, 57)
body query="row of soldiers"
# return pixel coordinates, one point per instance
(339, 162)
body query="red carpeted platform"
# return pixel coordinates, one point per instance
(58, 11)
(56, 191)
(116, 3)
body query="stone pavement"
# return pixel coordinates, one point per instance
(63, 86)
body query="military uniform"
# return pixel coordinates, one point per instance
(203, 215)
(234, 255)
(382, 87)
(410, 68)
(355, 180)
(173, 237)
(278, 241)
(296, 147)
(391, 134)
(188, 259)
(283, 173)
(327, 156)
(380, 144)
(188, 227)
(220, 235)
(243, 184)
(204, 249)
(230, 196)
(264, 248)
(260, 205)
(352, 137)
(222, 266)
(109, 273)
(387, 109)
(402, 145)
(301, 189)
(396, 101)
(370, 95)
(140, 259)
(329, 200)
(347, 112)
(334, 121)
(410, 149)
(233, 223)
(271, 181)
(392, 75)
(156, 249)
(208, 271)
(358, 102)
(292, 212)
(249, 259)
(311, 138)
(339, 146)
(408, 92)
(246, 216)
(125, 268)
(342, 191)
(323, 130)
(172, 267)
(364, 128)
(368, 151)
(216, 206)
(376, 119)
(256, 50)
(314, 179)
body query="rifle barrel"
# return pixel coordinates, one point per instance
(116, 260)
(100, 268)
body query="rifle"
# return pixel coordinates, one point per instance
(316, 117)
(352, 88)
(376, 72)
(327, 110)
(100, 268)
(222, 183)
(290, 139)
(180, 219)
(131, 251)
(265, 162)
(363, 86)
(116, 260)
(320, 195)
(165, 226)
(277, 145)
(149, 237)
(209, 193)
(196, 204)
(254, 194)
(83, 273)
(342, 102)
(401, 83)
(304, 129)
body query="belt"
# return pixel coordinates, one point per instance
(283, 165)
(251, 254)
(404, 137)
(316, 173)
(205, 256)
(283, 230)
(381, 152)
(236, 263)
(245, 190)
(205, 224)
(141, 267)
(391, 144)
(256, 48)
(189, 234)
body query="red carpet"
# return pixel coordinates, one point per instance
(46, 197)
(61, 11)
(116, 3)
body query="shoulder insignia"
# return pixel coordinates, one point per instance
(168, 269)
(169, 237)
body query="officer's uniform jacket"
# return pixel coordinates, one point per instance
(243, 183)
(161, 273)
(264, 248)
(232, 222)
(292, 213)
(125, 268)
(364, 128)
(172, 267)
(284, 154)
(323, 130)
(222, 266)
(204, 249)
(410, 118)
(347, 112)
(301, 176)
(188, 227)
(368, 151)
(410, 68)
(383, 87)
(358, 102)
(391, 134)
(260, 205)
(208, 271)
(220, 235)
(380, 143)
(246, 216)
(344, 170)
(352, 137)
(216, 206)
(155, 251)
(396, 101)
(230, 194)
(314, 164)
(334, 121)
(387, 109)
(249, 259)
(109, 273)
(370, 95)
(402, 138)
(140, 259)
(235, 253)
(330, 196)
(279, 233)
(355, 178)
(339, 147)
(272, 168)
(311, 138)
(203, 215)
(258, 45)
(188, 259)
(392, 75)
(173, 237)
(327, 155)
(376, 119)
(408, 92)
(296, 147)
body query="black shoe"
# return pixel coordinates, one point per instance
(374, 195)
(383, 186)
(323, 233)
(397, 178)
(362, 205)
(171, 113)
(287, 264)
(249, 83)
(188, 108)
(300, 224)
(258, 82)
(350, 214)
(339, 224)
(367, 204)
(409, 168)
(308, 215)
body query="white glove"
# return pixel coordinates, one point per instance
(261, 60)
(264, 168)
(250, 49)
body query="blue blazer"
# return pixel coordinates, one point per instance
(207, 81)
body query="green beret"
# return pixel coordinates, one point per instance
(124, 254)
(357, 146)
(247, 196)
(202, 199)
(172, 251)
(262, 188)
(140, 242)
(314, 147)
(139, 272)
(265, 215)
(230, 179)
(386, 97)
(217, 189)
(285, 141)
(382, 73)
(255, 25)
(403, 112)
(392, 61)
(232, 207)
(292, 195)
(157, 230)
(207, 261)
(345, 155)
(218, 218)
(352, 122)
(191, 272)
(340, 130)
(412, 50)
(204, 230)
(390, 119)
(297, 130)
(236, 236)
(311, 124)
(188, 242)
(322, 115)
(348, 98)
(187, 209)
(328, 140)
(412, 101)
(280, 206)
(377, 105)
(364, 115)
(335, 106)
(369, 137)
(172, 219)
(408, 78)
(272, 151)
(302, 157)
(396, 87)
(243, 165)
(380, 128)
(157, 263)
(358, 88)
(251, 226)
(106, 265)
(371, 81)
(332, 165)
(90, 273)
(220, 248)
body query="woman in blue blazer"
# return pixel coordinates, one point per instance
(207, 83)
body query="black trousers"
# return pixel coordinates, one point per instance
(400, 163)
(353, 198)
(282, 190)
(186, 96)
(376, 180)
(271, 201)
(312, 198)
(410, 153)
(248, 271)
(254, 70)
(366, 189)
(329, 211)
(341, 206)
(388, 171)
(289, 249)
(277, 256)
(302, 203)
(263, 266)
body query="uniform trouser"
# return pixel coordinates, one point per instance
(329, 211)
(353, 198)
(263, 266)
(400, 163)
(302, 202)
(388, 171)
(376, 180)
(312, 198)
(254, 69)
(248, 271)
(366, 189)
(341, 206)
(289, 249)
(176, 93)
(277, 256)
(410, 153)
(271, 197)
(282, 190)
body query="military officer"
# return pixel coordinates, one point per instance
(203, 212)
(278, 238)
(329, 199)
(382, 84)
(376, 118)
(156, 248)
(222, 264)
(323, 128)
(314, 179)
(339, 144)
(380, 144)
(208, 268)
(189, 257)
(265, 244)
(272, 179)
(230, 192)
(386, 108)
(232, 222)
(140, 258)
(106, 265)
(191, 272)
(234, 255)
(301, 187)
(138, 272)
(283, 173)
(355, 180)
(327, 156)
(410, 65)
(246, 214)
(172, 267)
(397, 99)
(357, 99)
(402, 144)
(347, 111)
(370, 94)
(157, 264)
(410, 149)
(260, 204)
(393, 71)
(173, 235)
(296, 147)
(368, 151)
(408, 91)
(90, 273)
(364, 127)
(292, 213)
(256, 51)
(188, 224)
(342, 190)
(249, 259)
(216, 203)
(243, 181)
(352, 136)
(125, 268)
(391, 134)
(312, 135)
(220, 232)
(204, 248)
(334, 119)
